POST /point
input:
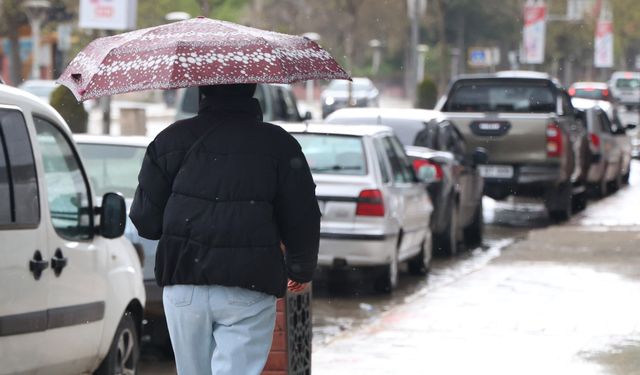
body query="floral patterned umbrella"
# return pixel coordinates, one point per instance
(195, 52)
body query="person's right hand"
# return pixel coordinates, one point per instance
(296, 287)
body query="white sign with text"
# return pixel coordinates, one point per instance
(108, 14)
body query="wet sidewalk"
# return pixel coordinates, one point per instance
(563, 301)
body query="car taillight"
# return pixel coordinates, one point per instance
(606, 93)
(572, 92)
(370, 203)
(595, 141)
(554, 140)
(418, 163)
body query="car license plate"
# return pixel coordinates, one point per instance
(496, 171)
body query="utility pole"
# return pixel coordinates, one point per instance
(415, 8)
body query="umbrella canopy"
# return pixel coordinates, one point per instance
(195, 52)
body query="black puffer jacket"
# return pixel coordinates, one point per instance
(221, 209)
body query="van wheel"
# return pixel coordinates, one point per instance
(474, 232)
(419, 265)
(388, 280)
(124, 353)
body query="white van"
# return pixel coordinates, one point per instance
(625, 87)
(71, 292)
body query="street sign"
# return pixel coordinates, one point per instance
(603, 51)
(603, 46)
(535, 14)
(482, 57)
(108, 14)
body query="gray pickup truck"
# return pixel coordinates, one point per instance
(537, 145)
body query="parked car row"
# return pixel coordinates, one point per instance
(455, 187)
(620, 98)
(609, 146)
(394, 186)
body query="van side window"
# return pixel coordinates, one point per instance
(67, 191)
(19, 203)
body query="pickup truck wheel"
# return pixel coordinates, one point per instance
(124, 352)
(419, 265)
(560, 202)
(446, 242)
(474, 232)
(625, 177)
(615, 185)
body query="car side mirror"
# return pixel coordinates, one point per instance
(480, 156)
(427, 173)
(113, 215)
(307, 116)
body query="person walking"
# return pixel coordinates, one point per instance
(222, 191)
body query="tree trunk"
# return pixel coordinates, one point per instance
(205, 8)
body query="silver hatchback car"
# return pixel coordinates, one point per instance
(375, 213)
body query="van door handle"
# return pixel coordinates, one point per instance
(37, 265)
(58, 262)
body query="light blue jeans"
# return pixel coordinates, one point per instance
(218, 330)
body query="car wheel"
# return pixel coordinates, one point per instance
(615, 185)
(388, 280)
(420, 264)
(446, 242)
(625, 177)
(474, 232)
(124, 352)
(602, 188)
(559, 204)
(579, 201)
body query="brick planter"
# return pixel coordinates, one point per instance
(291, 349)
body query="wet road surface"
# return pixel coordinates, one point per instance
(535, 298)
(558, 299)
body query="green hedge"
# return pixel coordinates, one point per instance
(70, 109)
(427, 94)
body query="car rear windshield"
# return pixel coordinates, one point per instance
(587, 93)
(112, 167)
(493, 95)
(333, 154)
(628, 83)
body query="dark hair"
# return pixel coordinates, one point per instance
(237, 90)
